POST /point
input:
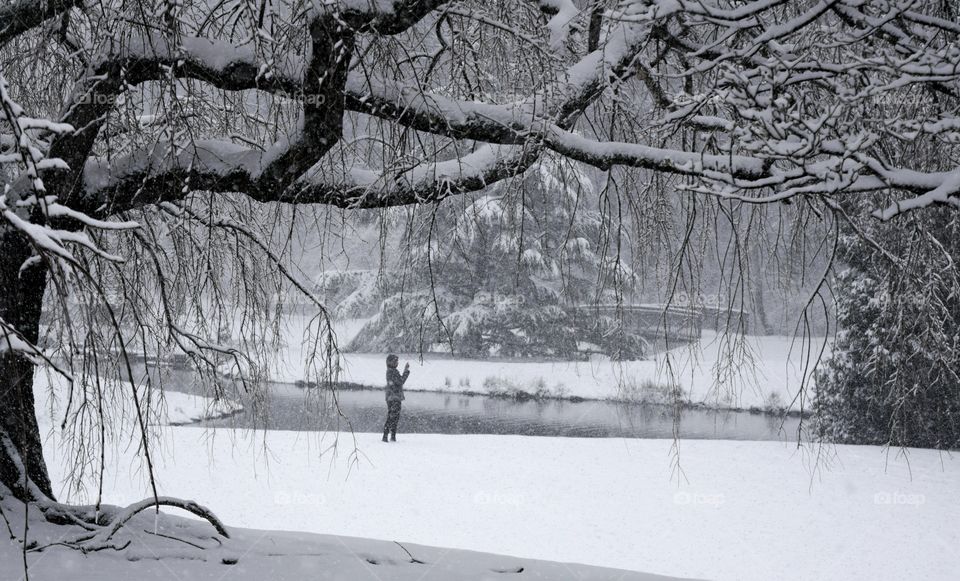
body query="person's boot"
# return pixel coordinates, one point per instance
(385, 436)
(393, 436)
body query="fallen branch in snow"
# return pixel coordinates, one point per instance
(412, 558)
(99, 539)
(134, 509)
(173, 538)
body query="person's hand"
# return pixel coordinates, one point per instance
(406, 367)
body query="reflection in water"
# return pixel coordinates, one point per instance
(287, 407)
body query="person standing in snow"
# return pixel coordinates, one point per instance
(394, 395)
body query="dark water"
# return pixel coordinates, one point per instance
(287, 407)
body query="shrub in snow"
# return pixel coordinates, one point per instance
(893, 376)
(773, 403)
(538, 389)
(648, 391)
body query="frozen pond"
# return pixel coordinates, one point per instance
(288, 407)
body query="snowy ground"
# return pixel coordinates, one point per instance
(182, 408)
(741, 510)
(718, 372)
(158, 550)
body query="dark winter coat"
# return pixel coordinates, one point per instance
(395, 381)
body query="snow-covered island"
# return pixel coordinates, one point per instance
(754, 372)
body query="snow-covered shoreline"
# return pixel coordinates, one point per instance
(763, 373)
(514, 393)
(183, 408)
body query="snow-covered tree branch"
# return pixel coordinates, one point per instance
(22, 15)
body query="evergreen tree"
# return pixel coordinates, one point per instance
(502, 277)
(893, 376)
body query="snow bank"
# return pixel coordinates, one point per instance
(731, 511)
(185, 408)
(154, 553)
(51, 392)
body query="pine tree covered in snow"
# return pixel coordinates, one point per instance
(498, 275)
(356, 293)
(894, 377)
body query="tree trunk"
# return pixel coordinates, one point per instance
(760, 310)
(22, 467)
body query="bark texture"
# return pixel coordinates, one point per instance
(22, 466)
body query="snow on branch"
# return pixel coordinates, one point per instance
(99, 539)
(605, 155)
(49, 241)
(946, 193)
(13, 340)
(521, 123)
(383, 16)
(24, 203)
(22, 15)
(218, 166)
(562, 12)
(430, 181)
(163, 172)
(147, 56)
(776, 89)
(27, 152)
